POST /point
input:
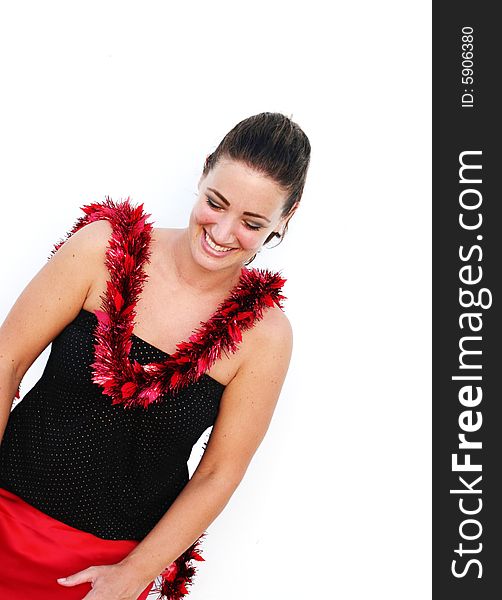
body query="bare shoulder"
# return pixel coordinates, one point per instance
(84, 250)
(90, 241)
(95, 234)
(269, 343)
(274, 328)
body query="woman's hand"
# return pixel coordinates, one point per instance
(108, 582)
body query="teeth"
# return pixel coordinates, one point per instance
(215, 246)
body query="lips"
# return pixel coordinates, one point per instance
(206, 242)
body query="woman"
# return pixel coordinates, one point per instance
(94, 484)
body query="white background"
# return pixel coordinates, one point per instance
(127, 99)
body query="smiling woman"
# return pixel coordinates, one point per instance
(93, 460)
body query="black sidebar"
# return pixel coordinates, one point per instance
(467, 258)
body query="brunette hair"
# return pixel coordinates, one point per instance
(275, 146)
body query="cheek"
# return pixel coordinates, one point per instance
(203, 215)
(250, 240)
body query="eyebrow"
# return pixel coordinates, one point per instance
(251, 214)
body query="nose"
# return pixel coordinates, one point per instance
(222, 231)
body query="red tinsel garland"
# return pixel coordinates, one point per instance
(132, 384)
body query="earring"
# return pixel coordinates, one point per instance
(271, 237)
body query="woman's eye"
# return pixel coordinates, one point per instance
(254, 227)
(211, 203)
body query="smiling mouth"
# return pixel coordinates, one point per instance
(214, 246)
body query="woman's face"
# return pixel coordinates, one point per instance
(237, 208)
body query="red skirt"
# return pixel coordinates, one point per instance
(36, 549)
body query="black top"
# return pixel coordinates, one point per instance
(95, 466)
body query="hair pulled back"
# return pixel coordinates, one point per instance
(273, 145)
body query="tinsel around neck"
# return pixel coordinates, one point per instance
(126, 381)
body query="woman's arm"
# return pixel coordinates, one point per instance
(9, 383)
(50, 301)
(245, 412)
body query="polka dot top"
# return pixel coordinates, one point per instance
(93, 465)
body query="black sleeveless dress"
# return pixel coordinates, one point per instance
(93, 465)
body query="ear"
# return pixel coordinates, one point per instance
(294, 209)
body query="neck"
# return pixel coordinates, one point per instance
(193, 275)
